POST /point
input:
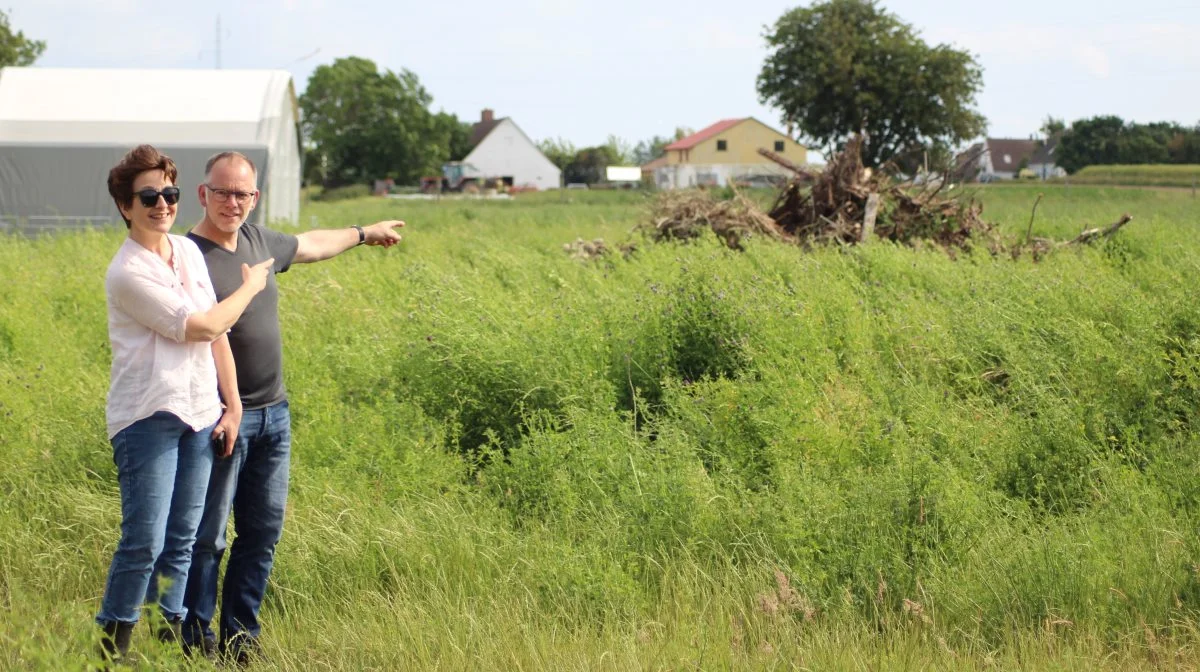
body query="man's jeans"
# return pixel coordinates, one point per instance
(163, 468)
(253, 481)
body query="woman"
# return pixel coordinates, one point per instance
(171, 366)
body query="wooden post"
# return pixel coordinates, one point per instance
(868, 227)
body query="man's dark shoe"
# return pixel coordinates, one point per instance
(207, 647)
(114, 643)
(242, 649)
(170, 631)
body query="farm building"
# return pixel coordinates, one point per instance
(61, 130)
(500, 149)
(724, 152)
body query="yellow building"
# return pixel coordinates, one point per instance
(724, 152)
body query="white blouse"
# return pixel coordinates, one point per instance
(154, 368)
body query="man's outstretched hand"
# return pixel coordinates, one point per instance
(383, 233)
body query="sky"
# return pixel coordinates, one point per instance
(583, 70)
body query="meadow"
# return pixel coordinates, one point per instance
(688, 458)
(1157, 175)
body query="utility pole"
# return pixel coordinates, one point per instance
(218, 41)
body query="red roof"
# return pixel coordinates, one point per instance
(700, 136)
(650, 166)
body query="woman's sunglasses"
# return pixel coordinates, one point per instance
(149, 197)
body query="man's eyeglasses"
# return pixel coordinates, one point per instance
(223, 195)
(149, 197)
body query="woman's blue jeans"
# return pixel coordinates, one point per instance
(163, 468)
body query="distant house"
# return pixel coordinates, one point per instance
(649, 168)
(1043, 162)
(996, 159)
(500, 149)
(725, 152)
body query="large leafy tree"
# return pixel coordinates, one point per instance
(15, 48)
(841, 66)
(368, 124)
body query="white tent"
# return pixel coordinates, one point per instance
(61, 130)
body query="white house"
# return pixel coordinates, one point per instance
(1003, 158)
(62, 129)
(1043, 162)
(500, 149)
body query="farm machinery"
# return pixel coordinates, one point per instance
(462, 177)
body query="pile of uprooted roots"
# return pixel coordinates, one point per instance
(688, 214)
(844, 204)
(848, 203)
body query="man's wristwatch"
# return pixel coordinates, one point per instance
(362, 235)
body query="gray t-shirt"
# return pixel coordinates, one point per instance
(255, 339)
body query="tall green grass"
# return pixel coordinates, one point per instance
(505, 458)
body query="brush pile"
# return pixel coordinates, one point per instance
(846, 203)
(687, 214)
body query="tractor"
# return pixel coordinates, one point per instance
(456, 176)
(462, 177)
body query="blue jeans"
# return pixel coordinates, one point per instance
(253, 482)
(162, 467)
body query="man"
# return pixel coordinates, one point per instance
(253, 480)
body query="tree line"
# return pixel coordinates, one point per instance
(1110, 140)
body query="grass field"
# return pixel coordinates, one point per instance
(1156, 175)
(504, 458)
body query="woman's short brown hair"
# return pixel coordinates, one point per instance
(137, 161)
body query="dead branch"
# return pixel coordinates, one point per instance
(1029, 232)
(1089, 235)
(787, 164)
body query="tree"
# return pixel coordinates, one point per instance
(647, 150)
(457, 133)
(1053, 127)
(588, 164)
(620, 150)
(15, 48)
(369, 124)
(842, 66)
(1107, 140)
(560, 152)
(1090, 141)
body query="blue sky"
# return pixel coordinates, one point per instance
(582, 70)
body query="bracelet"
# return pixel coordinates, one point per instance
(362, 235)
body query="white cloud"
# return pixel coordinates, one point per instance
(1094, 51)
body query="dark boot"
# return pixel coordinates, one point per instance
(207, 647)
(114, 643)
(242, 649)
(170, 631)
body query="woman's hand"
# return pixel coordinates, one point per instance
(255, 277)
(225, 433)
